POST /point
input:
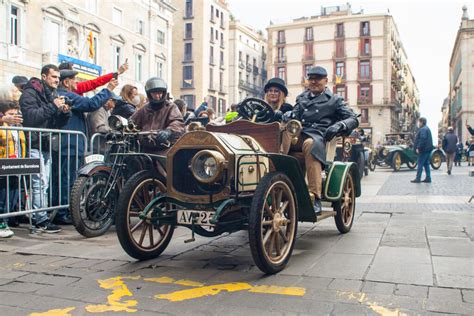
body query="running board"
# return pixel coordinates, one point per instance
(325, 214)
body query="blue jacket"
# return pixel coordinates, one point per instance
(77, 122)
(424, 140)
(450, 141)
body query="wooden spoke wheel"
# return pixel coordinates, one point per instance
(396, 161)
(138, 237)
(436, 161)
(273, 222)
(345, 209)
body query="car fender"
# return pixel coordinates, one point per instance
(443, 155)
(94, 167)
(336, 177)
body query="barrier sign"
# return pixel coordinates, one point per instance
(17, 166)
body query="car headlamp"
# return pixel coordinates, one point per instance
(294, 127)
(207, 166)
(117, 122)
(347, 147)
(385, 152)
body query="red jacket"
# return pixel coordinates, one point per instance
(89, 85)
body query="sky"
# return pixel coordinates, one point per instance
(427, 30)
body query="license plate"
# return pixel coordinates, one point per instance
(201, 218)
(94, 158)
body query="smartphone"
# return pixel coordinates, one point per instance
(126, 60)
(115, 75)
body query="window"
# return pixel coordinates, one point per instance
(221, 107)
(138, 67)
(188, 77)
(364, 116)
(217, 13)
(340, 70)
(188, 10)
(366, 47)
(117, 56)
(222, 20)
(222, 40)
(364, 69)
(365, 94)
(306, 69)
(14, 25)
(340, 49)
(141, 27)
(281, 54)
(217, 35)
(159, 68)
(212, 13)
(364, 28)
(221, 60)
(308, 34)
(211, 79)
(221, 81)
(281, 37)
(212, 34)
(188, 51)
(160, 37)
(188, 33)
(282, 72)
(211, 56)
(117, 16)
(340, 30)
(240, 55)
(53, 36)
(189, 99)
(96, 45)
(341, 91)
(91, 6)
(308, 50)
(212, 102)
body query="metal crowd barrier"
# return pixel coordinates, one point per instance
(55, 144)
(97, 143)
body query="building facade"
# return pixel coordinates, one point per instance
(200, 53)
(365, 60)
(461, 78)
(97, 36)
(247, 62)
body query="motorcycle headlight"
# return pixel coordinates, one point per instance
(347, 146)
(117, 122)
(294, 128)
(207, 166)
(194, 126)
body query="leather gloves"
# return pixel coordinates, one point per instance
(333, 131)
(162, 137)
(277, 117)
(288, 116)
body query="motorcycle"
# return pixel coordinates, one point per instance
(95, 192)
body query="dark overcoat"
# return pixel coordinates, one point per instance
(318, 113)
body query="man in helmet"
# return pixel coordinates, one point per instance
(159, 115)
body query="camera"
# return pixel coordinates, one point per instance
(67, 101)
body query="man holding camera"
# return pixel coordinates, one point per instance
(43, 108)
(71, 150)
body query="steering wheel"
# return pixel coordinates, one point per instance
(255, 110)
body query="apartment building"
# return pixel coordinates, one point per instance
(34, 33)
(366, 62)
(461, 78)
(200, 53)
(247, 62)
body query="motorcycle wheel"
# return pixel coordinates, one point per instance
(141, 238)
(91, 214)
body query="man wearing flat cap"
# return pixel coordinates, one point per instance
(20, 82)
(323, 116)
(71, 145)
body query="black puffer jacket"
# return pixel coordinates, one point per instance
(36, 103)
(124, 109)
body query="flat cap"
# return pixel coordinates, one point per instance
(317, 71)
(19, 80)
(67, 73)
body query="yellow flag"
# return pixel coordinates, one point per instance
(90, 40)
(338, 79)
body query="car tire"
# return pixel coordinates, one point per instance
(412, 165)
(345, 208)
(361, 164)
(272, 224)
(396, 161)
(436, 160)
(138, 191)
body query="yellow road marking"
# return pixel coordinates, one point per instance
(56, 312)
(279, 290)
(167, 280)
(362, 298)
(114, 303)
(210, 290)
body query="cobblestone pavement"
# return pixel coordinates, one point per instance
(410, 251)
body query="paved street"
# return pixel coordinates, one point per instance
(410, 252)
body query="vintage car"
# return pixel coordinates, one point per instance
(351, 148)
(231, 178)
(398, 150)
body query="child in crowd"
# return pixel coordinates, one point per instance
(12, 145)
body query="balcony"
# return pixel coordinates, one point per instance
(339, 56)
(307, 58)
(364, 101)
(281, 41)
(339, 79)
(241, 64)
(212, 87)
(249, 67)
(264, 56)
(365, 54)
(247, 86)
(211, 61)
(255, 70)
(281, 60)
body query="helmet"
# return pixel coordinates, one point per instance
(155, 84)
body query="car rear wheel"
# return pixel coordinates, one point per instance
(412, 165)
(396, 161)
(436, 160)
(141, 238)
(345, 208)
(273, 223)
